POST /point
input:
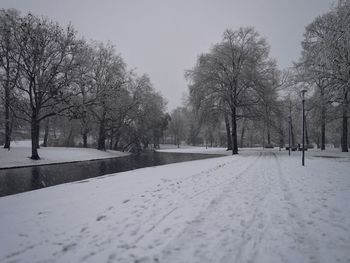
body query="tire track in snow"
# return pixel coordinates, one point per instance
(141, 226)
(305, 243)
(245, 223)
(254, 231)
(218, 213)
(185, 198)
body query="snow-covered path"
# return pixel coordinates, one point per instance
(255, 207)
(255, 219)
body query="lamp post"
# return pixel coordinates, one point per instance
(289, 125)
(303, 150)
(289, 135)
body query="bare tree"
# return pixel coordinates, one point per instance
(46, 54)
(108, 76)
(326, 50)
(9, 71)
(231, 73)
(177, 125)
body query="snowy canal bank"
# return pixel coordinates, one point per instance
(20, 151)
(259, 206)
(17, 180)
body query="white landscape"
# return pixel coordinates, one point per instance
(178, 131)
(258, 206)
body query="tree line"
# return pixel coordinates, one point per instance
(51, 78)
(238, 97)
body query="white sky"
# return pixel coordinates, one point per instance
(164, 37)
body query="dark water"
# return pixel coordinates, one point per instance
(17, 180)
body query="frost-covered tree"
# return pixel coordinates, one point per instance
(326, 58)
(83, 81)
(47, 73)
(9, 71)
(231, 73)
(178, 124)
(46, 56)
(108, 78)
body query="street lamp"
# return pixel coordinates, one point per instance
(303, 151)
(289, 131)
(289, 125)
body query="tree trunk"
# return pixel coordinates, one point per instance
(344, 139)
(102, 136)
(37, 136)
(323, 130)
(145, 144)
(323, 122)
(46, 135)
(292, 132)
(85, 139)
(234, 131)
(54, 132)
(268, 126)
(34, 136)
(228, 132)
(251, 139)
(281, 140)
(117, 138)
(111, 142)
(69, 141)
(306, 133)
(7, 117)
(242, 134)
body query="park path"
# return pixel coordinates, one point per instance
(254, 219)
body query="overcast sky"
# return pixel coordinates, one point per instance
(164, 37)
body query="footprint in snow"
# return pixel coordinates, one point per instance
(69, 247)
(166, 230)
(261, 225)
(43, 212)
(242, 222)
(99, 218)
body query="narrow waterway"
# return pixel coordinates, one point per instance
(17, 180)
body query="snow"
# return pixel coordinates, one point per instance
(193, 149)
(20, 151)
(258, 206)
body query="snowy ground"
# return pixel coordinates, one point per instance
(259, 206)
(20, 152)
(193, 149)
(329, 153)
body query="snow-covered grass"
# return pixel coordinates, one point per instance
(193, 149)
(20, 152)
(330, 153)
(259, 206)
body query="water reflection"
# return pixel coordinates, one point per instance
(19, 180)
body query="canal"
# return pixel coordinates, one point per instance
(18, 180)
